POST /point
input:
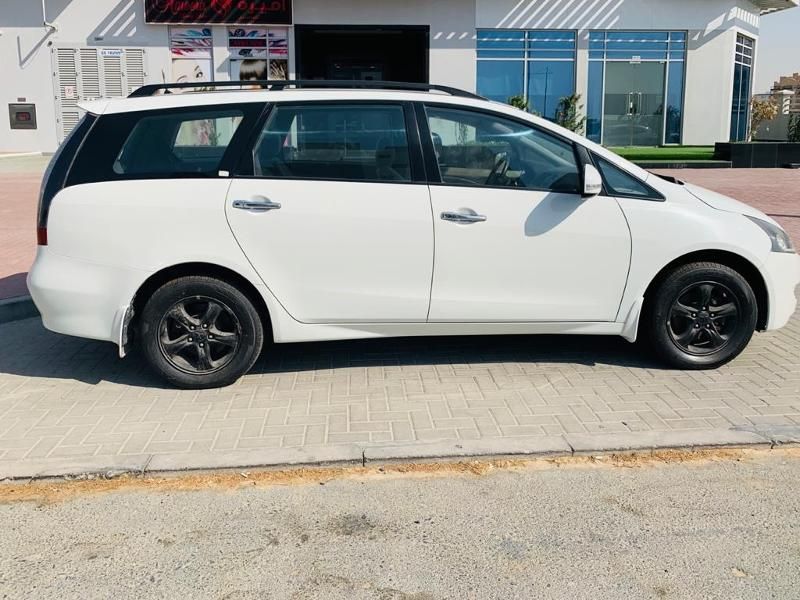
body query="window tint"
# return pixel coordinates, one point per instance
(177, 143)
(620, 183)
(340, 142)
(478, 149)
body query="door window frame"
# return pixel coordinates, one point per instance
(245, 168)
(432, 163)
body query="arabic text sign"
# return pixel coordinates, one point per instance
(271, 12)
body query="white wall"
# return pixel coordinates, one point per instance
(614, 14)
(25, 54)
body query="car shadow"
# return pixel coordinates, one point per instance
(553, 210)
(14, 285)
(35, 352)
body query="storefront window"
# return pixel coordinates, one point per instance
(548, 82)
(636, 82)
(594, 104)
(190, 51)
(537, 65)
(742, 86)
(672, 133)
(496, 79)
(258, 53)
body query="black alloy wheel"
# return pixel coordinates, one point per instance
(699, 316)
(200, 332)
(199, 335)
(703, 318)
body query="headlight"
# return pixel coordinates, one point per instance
(780, 240)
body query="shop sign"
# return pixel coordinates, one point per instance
(233, 12)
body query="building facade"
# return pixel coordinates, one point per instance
(648, 72)
(787, 91)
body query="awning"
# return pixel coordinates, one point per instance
(768, 6)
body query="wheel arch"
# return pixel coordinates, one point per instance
(736, 262)
(159, 278)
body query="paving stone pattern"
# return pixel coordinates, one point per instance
(62, 398)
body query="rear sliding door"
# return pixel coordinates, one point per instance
(331, 208)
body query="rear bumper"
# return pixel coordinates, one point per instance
(782, 276)
(81, 298)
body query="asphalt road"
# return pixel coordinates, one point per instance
(723, 528)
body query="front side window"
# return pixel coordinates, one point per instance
(479, 149)
(359, 142)
(180, 143)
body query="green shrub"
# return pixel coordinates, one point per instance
(794, 128)
(519, 102)
(568, 113)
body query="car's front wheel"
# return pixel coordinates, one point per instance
(200, 332)
(701, 316)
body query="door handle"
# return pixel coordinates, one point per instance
(463, 217)
(256, 205)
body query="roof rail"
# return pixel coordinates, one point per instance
(151, 89)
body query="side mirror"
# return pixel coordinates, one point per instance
(592, 181)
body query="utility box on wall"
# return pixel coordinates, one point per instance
(22, 116)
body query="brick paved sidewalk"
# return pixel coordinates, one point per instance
(68, 405)
(19, 190)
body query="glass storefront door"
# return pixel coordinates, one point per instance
(633, 112)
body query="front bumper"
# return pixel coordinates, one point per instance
(81, 298)
(782, 276)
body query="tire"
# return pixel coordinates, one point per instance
(199, 332)
(702, 315)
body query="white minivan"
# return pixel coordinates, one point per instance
(196, 226)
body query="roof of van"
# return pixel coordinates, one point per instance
(206, 98)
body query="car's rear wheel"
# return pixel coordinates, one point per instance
(200, 332)
(701, 316)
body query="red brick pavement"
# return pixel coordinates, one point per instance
(18, 198)
(775, 191)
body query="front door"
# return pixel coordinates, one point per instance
(634, 104)
(330, 216)
(515, 240)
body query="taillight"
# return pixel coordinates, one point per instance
(41, 236)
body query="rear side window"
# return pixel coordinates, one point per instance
(161, 144)
(183, 143)
(333, 141)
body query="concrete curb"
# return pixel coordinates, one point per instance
(66, 467)
(354, 454)
(17, 308)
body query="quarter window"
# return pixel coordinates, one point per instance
(620, 183)
(477, 149)
(334, 142)
(177, 143)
